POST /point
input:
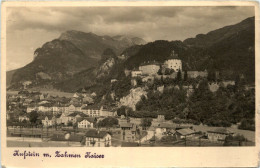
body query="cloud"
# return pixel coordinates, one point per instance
(30, 27)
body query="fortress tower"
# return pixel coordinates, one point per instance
(173, 62)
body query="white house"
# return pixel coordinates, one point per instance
(85, 123)
(95, 138)
(92, 110)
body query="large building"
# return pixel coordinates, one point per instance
(149, 68)
(173, 62)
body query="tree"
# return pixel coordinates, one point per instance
(70, 124)
(185, 75)
(33, 116)
(139, 81)
(179, 77)
(146, 122)
(212, 76)
(108, 122)
(75, 127)
(247, 124)
(234, 140)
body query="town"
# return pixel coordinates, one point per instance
(42, 119)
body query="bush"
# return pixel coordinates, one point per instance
(234, 140)
(168, 139)
(247, 124)
(108, 122)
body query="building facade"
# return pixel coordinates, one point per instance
(96, 138)
(149, 69)
(174, 64)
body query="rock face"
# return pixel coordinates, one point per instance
(133, 98)
(104, 69)
(108, 60)
(43, 76)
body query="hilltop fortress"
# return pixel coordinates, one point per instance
(169, 68)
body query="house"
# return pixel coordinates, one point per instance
(23, 117)
(136, 73)
(173, 62)
(31, 108)
(76, 95)
(128, 132)
(96, 138)
(76, 116)
(160, 118)
(184, 133)
(93, 94)
(72, 107)
(219, 134)
(86, 123)
(48, 120)
(163, 128)
(45, 108)
(113, 80)
(91, 110)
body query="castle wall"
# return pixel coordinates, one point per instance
(149, 69)
(195, 74)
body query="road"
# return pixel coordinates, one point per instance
(149, 135)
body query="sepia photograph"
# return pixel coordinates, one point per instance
(130, 84)
(131, 76)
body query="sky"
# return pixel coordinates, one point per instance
(28, 28)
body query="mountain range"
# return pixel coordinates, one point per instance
(72, 52)
(77, 59)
